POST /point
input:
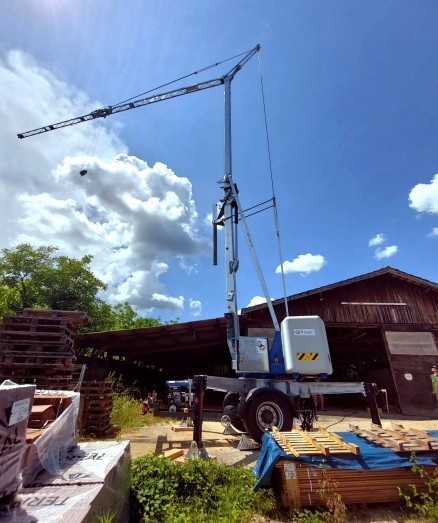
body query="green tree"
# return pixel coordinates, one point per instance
(122, 316)
(9, 300)
(21, 270)
(69, 284)
(35, 277)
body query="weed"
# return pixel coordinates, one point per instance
(337, 510)
(107, 517)
(423, 503)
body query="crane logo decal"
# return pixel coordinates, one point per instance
(308, 356)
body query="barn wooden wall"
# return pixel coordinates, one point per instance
(421, 305)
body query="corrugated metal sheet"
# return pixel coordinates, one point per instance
(411, 343)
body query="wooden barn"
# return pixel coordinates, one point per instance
(381, 326)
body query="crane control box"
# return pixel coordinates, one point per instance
(253, 354)
(305, 346)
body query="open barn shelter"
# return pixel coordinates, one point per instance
(381, 326)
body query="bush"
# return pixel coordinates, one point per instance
(199, 491)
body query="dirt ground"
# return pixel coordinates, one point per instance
(223, 446)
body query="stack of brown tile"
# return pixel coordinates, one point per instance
(40, 416)
(96, 408)
(37, 347)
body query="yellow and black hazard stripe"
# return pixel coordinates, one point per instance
(307, 356)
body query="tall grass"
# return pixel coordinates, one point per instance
(126, 412)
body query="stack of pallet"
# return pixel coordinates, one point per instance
(96, 408)
(37, 347)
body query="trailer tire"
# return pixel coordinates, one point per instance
(235, 421)
(266, 410)
(231, 398)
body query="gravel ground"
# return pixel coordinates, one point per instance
(158, 438)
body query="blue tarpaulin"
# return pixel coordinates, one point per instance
(372, 457)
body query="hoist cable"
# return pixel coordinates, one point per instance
(277, 226)
(179, 79)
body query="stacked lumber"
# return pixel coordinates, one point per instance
(96, 408)
(38, 347)
(302, 486)
(398, 438)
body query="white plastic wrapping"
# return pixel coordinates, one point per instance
(49, 451)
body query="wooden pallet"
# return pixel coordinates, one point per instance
(398, 438)
(35, 370)
(34, 326)
(299, 442)
(39, 357)
(34, 323)
(74, 318)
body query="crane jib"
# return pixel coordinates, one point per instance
(113, 109)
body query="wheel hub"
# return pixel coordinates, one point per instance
(267, 416)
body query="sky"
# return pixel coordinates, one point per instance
(336, 116)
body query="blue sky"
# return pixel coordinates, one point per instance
(350, 93)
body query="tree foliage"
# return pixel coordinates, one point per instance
(122, 316)
(36, 277)
(22, 269)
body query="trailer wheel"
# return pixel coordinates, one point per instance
(267, 410)
(235, 421)
(231, 398)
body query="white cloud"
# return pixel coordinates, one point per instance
(424, 197)
(256, 300)
(304, 264)
(134, 219)
(168, 302)
(196, 307)
(434, 232)
(387, 252)
(377, 240)
(188, 268)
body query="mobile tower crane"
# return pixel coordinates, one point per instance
(276, 375)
